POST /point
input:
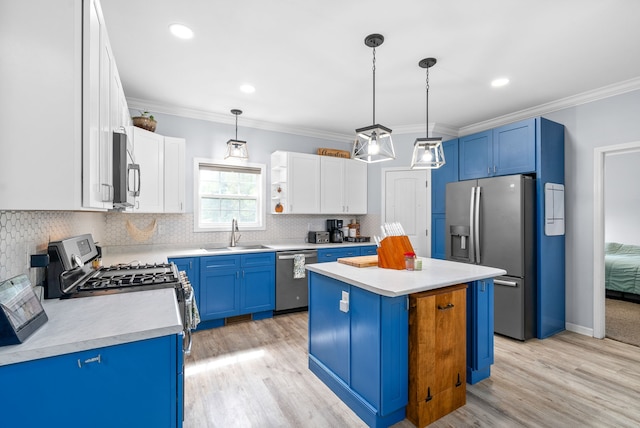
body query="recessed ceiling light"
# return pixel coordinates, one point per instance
(181, 31)
(247, 89)
(501, 81)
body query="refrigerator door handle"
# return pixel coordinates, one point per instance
(477, 225)
(472, 234)
(503, 282)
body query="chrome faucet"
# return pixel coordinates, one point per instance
(234, 229)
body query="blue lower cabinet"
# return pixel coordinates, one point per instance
(358, 346)
(369, 250)
(479, 330)
(191, 266)
(233, 285)
(335, 253)
(438, 236)
(137, 384)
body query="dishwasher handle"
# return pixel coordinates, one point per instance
(288, 255)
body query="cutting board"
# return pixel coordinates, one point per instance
(361, 261)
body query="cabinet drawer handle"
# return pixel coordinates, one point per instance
(89, 360)
(444, 308)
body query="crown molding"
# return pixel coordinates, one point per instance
(572, 101)
(145, 105)
(437, 128)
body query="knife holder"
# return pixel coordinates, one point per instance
(391, 252)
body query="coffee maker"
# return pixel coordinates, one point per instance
(334, 227)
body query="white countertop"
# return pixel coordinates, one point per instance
(94, 322)
(161, 253)
(435, 273)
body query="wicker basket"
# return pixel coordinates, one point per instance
(145, 123)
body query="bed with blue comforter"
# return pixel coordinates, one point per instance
(622, 270)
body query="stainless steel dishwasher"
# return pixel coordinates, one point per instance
(292, 294)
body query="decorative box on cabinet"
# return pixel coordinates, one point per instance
(232, 285)
(134, 384)
(437, 353)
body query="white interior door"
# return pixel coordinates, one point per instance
(407, 200)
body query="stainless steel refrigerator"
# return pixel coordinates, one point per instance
(491, 222)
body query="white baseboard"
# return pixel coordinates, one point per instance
(579, 329)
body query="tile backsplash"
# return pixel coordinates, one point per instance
(178, 229)
(23, 233)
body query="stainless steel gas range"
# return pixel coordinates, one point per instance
(71, 274)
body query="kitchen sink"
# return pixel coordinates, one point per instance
(247, 247)
(236, 248)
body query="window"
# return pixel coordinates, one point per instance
(225, 192)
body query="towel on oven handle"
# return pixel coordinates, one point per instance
(193, 315)
(298, 266)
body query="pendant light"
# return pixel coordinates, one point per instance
(373, 143)
(236, 148)
(427, 152)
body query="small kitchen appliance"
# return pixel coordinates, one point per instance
(318, 237)
(126, 173)
(334, 227)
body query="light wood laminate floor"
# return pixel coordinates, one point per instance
(254, 374)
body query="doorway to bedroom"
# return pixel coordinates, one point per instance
(620, 288)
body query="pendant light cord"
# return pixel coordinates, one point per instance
(427, 119)
(374, 86)
(236, 127)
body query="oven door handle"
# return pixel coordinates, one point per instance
(187, 349)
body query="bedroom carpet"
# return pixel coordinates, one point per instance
(622, 321)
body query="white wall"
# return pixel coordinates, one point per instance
(622, 198)
(600, 123)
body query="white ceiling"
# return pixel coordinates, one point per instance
(313, 72)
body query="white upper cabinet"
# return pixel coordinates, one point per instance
(311, 184)
(148, 152)
(295, 183)
(105, 110)
(343, 186)
(174, 178)
(41, 105)
(57, 81)
(356, 183)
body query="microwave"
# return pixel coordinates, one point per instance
(126, 173)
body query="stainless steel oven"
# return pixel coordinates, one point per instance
(292, 293)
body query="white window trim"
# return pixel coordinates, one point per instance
(262, 201)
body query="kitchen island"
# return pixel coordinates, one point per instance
(358, 330)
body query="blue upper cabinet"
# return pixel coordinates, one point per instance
(446, 174)
(509, 149)
(514, 148)
(476, 154)
(439, 179)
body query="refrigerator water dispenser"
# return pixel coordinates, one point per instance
(459, 236)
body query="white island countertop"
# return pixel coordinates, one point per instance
(94, 322)
(435, 274)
